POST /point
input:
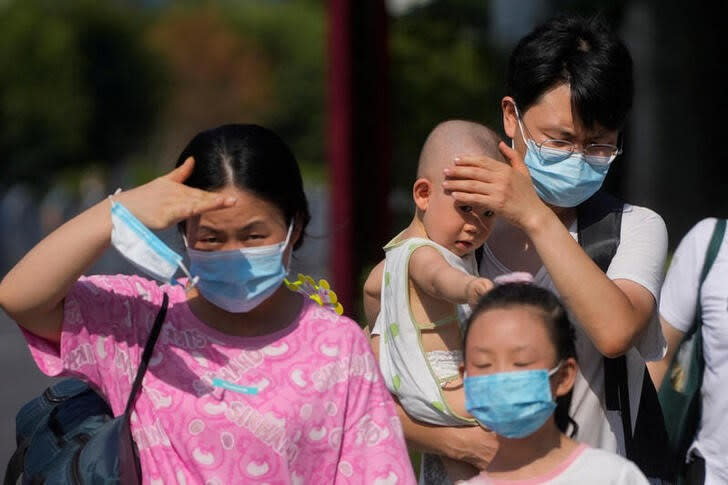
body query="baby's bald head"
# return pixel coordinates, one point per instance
(453, 138)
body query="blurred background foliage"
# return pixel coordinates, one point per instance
(442, 66)
(88, 85)
(122, 85)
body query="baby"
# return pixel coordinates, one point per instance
(428, 282)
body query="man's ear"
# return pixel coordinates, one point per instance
(421, 192)
(510, 119)
(565, 377)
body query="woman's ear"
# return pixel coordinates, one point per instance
(565, 377)
(297, 229)
(421, 191)
(510, 119)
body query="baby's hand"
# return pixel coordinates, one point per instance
(476, 288)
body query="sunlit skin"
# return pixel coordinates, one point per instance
(455, 226)
(251, 222)
(516, 339)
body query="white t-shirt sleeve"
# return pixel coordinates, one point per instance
(680, 291)
(642, 250)
(640, 258)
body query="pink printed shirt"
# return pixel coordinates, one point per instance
(319, 414)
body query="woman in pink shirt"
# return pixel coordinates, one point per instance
(249, 382)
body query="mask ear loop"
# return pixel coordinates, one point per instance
(556, 369)
(191, 280)
(285, 245)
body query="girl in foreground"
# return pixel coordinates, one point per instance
(249, 382)
(520, 367)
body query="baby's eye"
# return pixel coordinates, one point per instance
(488, 213)
(466, 208)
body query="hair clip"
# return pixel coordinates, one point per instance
(321, 293)
(514, 277)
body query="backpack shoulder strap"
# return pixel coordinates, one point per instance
(147, 353)
(710, 255)
(599, 221)
(14, 469)
(713, 248)
(599, 225)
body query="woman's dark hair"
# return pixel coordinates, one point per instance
(251, 158)
(557, 322)
(583, 53)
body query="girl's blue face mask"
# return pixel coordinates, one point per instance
(239, 280)
(512, 404)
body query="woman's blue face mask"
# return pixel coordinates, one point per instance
(512, 404)
(239, 280)
(236, 281)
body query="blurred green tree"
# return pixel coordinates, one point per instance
(258, 62)
(76, 87)
(442, 67)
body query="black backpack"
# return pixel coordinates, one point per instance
(599, 227)
(69, 435)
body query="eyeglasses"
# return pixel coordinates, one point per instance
(552, 151)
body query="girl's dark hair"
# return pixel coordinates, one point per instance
(254, 159)
(583, 53)
(557, 323)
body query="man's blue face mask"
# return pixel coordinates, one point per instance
(512, 404)
(564, 183)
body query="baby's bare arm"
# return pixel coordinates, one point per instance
(373, 294)
(431, 272)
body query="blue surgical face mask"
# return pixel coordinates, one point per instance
(239, 280)
(141, 247)
(566, 183)
(512, 404)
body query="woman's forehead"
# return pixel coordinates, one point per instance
(249, 209)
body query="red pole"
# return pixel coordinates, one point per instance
(339, 151)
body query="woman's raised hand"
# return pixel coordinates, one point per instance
(166, 200)
(490, 184)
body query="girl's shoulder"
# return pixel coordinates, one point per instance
(608, 466)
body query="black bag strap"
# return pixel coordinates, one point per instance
(711, 254)
(15, 465)
(147, 354)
